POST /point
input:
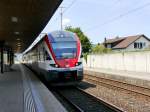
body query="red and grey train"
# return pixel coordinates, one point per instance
(57, 57)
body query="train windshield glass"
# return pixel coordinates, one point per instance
(64, 50)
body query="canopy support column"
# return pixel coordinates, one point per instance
(2, 56)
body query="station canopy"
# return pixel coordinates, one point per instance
(21, 21)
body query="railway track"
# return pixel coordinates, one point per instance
(84, 102)
(118, 85)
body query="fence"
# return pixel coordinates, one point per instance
(130, 61)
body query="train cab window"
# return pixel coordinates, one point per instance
(64, 50)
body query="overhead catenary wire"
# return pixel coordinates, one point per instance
(118, 17)
(66, 9)
(70, 5)
(61, 16)
(62, 12)
(118, 1)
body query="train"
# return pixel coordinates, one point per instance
(57, 57)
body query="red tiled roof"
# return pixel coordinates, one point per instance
(127, 41)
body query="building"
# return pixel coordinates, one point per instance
(130, 43)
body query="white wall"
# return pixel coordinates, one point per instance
(130, 61)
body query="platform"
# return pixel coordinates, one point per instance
(135, 78)
(22, 91)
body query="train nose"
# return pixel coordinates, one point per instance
(67, 64)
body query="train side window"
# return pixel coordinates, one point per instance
(39, 55)
(47, 56)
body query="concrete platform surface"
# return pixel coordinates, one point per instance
(21, 91)
(136, 78)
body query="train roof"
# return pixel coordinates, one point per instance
(55, 36)
(58, 36)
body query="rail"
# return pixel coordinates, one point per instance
(84, 102)
(118, 84)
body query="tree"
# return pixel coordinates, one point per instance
(99, 48)
(85, 42)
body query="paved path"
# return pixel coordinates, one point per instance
(138, 75)
(21, 91)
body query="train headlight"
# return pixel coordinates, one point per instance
(76, 64)
(56, 65)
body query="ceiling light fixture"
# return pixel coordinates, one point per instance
(16, 33)
(18, 39)
(18, 43)
(14, 19)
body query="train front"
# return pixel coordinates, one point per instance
(65, 50)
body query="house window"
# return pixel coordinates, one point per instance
(138, 45)
(135, 45)
(141, 45)
(108, 45)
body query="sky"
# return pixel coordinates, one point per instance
(104, 18)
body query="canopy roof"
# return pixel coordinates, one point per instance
(21, 21)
